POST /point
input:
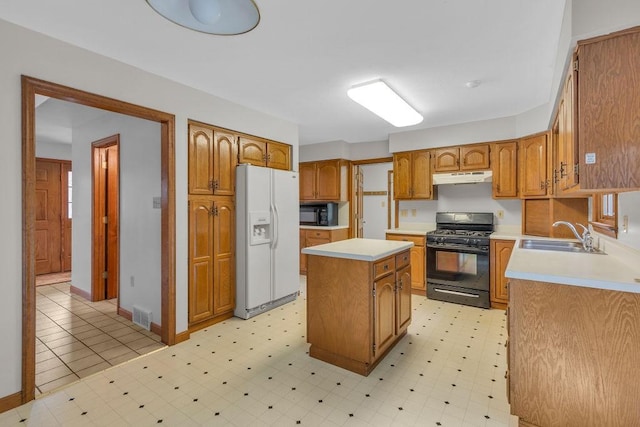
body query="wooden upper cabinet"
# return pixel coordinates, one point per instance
(261, 152)
(608, 71)
(278, 155)
(321, 181)
(535, 166)
(200, 159)
(412, 175)
(225, 159)
(566, 165)
(252, 151)
(504, 165)
(464, 157)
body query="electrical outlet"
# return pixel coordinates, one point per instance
(500, 214)
(625, 224)
(382, 204)
(403, 212)
(413, 212)
(132, 281)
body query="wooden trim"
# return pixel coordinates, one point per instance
(31, 86)
(11, 401)
(608, 36)
(182, 336)
(155, 328)
(77, 291)
(375, 193)
(370, 161)
(209, 322)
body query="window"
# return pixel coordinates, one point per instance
(605, 214)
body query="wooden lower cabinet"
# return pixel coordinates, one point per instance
(500, 254)
(314, 237)
(211, 260)
(357, 310)
(418, 261)
(573, 355)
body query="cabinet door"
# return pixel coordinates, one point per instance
(252, 151)
(225, 159)
(307, 181)
(403, 299)
(446, 159)
(303, 257)
(504, 164)
(200, 159)
(278, 155)
(421, 187)
(534, 167)
(474, 157)
(418, 268)
(500, 254)
(569, 176)
(201, 259)
(402, 176)
(224, 284)
(328, 180)
(384, 317)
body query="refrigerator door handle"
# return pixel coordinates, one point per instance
(274, 227)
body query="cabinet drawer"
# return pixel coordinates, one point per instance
(315, 241)
(417, 240)
(402, 259)
(383, 267)
(319, 234)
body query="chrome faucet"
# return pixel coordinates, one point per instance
(586, 238)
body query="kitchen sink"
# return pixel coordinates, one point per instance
(555, 245)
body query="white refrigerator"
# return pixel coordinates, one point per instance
(267, 245)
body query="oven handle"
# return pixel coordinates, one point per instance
(444, 291)
(466, 250)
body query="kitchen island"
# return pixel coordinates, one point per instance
(358, 301)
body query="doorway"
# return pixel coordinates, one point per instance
(31, 87)
(372, 211)
(106, 220)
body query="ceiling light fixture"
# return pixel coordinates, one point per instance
(221, 17)
(378, 98)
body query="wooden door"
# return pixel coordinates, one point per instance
(252, 151)
(417, 268)
(474, 157)
(225, 159)
(505, 170)
(533, 166)
(384, 305)
(66, 215)
(421, 187)
(403, 299)
(201, 259)
(201, 149)
(328, 180)
(446, 159)
(48, 226)
(224, 282)
(402, 176)
(106, 229)
(278, 155)
(500, 254)
(307, 181)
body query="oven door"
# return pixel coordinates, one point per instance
(459, 266)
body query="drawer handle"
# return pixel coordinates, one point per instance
(386, 266)
(404, 258)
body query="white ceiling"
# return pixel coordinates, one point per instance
(303, 56)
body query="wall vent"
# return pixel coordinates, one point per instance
(142, 317)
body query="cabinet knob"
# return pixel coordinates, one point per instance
(386, 266)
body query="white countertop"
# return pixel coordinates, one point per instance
(406, 231)
(359, 249)
(617, 270)
(323, 227)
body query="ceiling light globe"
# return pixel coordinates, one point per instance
(205, 11)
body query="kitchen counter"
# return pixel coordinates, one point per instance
(323, 227)
(359, 249)
(407, 231)
(617, 270)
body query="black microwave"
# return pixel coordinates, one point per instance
(323, 214)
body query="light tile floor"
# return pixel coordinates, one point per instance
(448, 371)
(76, 338)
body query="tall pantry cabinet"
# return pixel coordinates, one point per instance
(213, 156)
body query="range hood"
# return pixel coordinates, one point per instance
(461, 177)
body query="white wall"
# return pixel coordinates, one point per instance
(139, 221)
(344, 150)
(33, 54)
(629, 205)
(53, 150)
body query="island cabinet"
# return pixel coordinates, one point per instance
(573, 354)
(418, 260)
(462, 158)
(262, 152)
(412, 176)
(504, 166)
(323, 181)
(500, 254)
(357, 309)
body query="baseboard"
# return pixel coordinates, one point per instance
(77, 291)
(11, 401)
(155, 328)
(182, 336)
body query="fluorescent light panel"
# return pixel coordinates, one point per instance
(378, 98)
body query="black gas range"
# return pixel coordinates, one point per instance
(458, 258)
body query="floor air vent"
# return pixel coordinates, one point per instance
(142, 317)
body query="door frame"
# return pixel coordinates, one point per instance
(352, 180)
(30, 87)
(99, 240)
